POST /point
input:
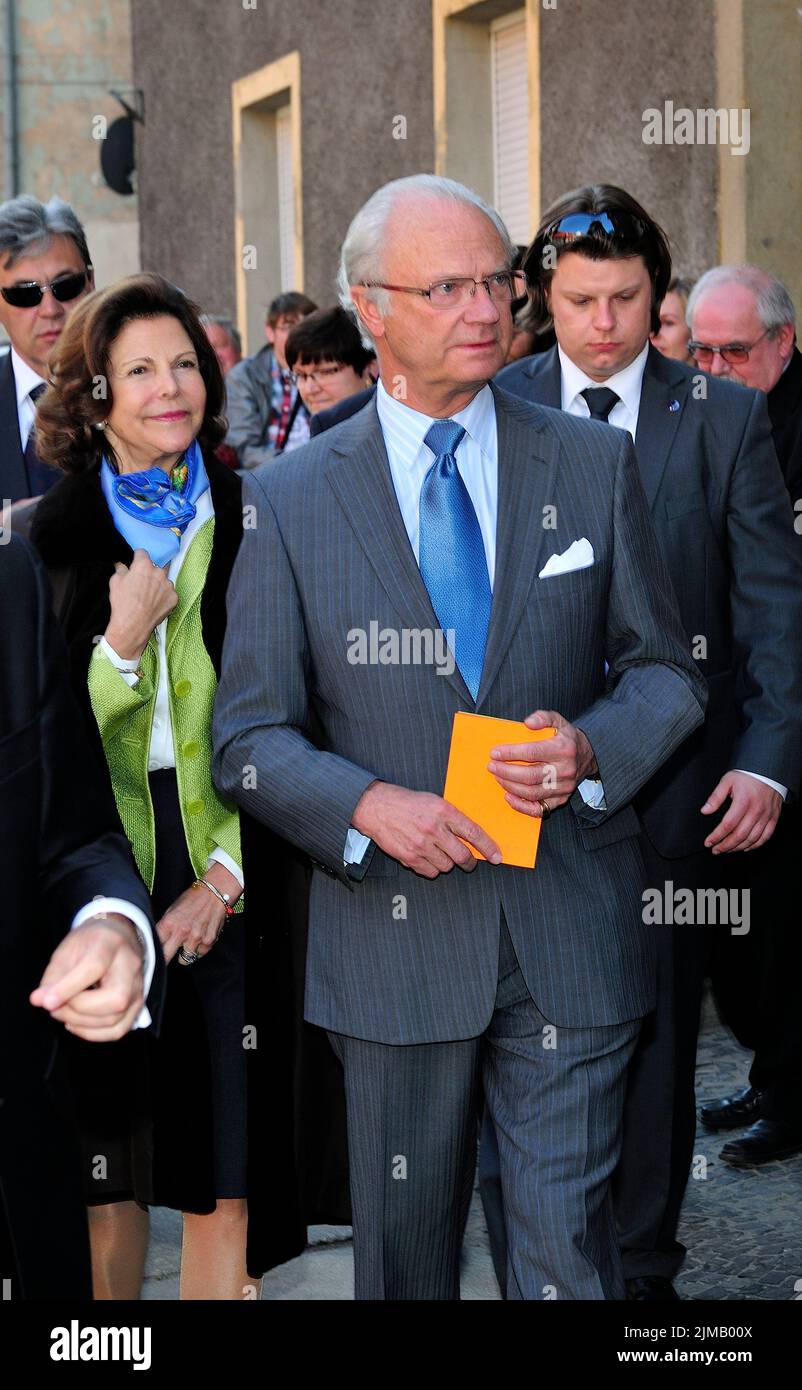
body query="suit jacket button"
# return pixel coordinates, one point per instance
(195, 808)
(182, 688)
(190, 749)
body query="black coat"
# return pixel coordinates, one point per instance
(343, 410)
(79, 543)
(723, 519)
(13, 474)
(60, 846)
(785, 411)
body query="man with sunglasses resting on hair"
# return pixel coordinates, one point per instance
(599, 267)
(44, 271)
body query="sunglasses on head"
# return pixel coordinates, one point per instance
(599, 226)
(30, 293)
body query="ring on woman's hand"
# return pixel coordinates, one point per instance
(187, 957)
(545, 810)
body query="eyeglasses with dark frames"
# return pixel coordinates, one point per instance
(317, 374)
(30, 293)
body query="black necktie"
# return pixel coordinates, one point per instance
(41, 476)
(600, 401)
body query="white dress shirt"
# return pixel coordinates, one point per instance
(162, 750)
(477, 460)
(410, 460)
(627, 384)
(25, 379)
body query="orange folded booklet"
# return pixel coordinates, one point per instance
(475, 791)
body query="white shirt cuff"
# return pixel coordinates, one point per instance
(777, 786)
(355, 846)
(140, 921)
(592, 793)
(124, 665)
(219, 856)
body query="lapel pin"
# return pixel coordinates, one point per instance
(673, 406)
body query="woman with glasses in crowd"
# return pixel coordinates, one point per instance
(328, 359)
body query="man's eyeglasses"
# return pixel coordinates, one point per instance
(502, 287)
(30, 293)
(599, 226)
(731, 353)
(318, 374)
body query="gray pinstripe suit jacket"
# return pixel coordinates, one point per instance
(329, 553)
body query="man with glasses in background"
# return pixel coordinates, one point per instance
(743, 327)
(599, 267)
(45, 270)
(266, 416)
(743, 324)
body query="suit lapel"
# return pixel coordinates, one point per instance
(13, 474)
(544, 368)
(364, 489)
(662, 401)
(226, 490)
(527, 462)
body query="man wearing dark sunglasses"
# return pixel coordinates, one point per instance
(44, 271)
(744, 328)
(598, 268)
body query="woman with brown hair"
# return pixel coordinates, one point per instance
(140, 538)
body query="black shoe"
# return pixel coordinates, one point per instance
(742, 1108)
(763, 1142)
(651, 1288)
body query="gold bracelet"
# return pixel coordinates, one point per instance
(224, 898)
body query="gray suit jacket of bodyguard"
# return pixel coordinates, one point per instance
(726, 530)
(394, 957)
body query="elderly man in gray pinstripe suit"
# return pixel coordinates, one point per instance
(447, 506)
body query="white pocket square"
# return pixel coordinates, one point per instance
(577, 557)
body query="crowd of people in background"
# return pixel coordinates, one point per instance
(132, 433)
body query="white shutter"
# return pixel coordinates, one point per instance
(511, 124)
(286, 198)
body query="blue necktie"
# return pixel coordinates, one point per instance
(452, 561)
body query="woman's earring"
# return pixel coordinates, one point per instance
(99, 425)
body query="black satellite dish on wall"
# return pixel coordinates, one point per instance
(117, 161)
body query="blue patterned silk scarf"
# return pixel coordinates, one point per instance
(153, 509)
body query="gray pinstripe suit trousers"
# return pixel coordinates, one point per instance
(556, 1097)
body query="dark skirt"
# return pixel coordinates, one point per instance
(163, 1120)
